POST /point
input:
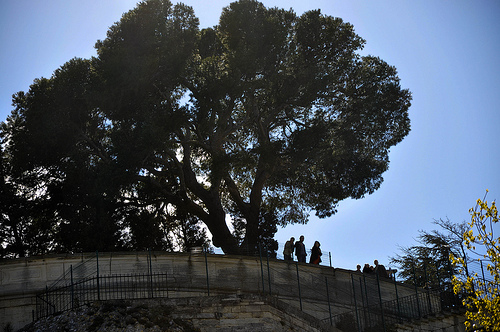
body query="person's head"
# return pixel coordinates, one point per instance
(316, 244)
(292, 239)
(375, 262)
(301, 238)
(358, 267)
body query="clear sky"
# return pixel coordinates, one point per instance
(446, 53)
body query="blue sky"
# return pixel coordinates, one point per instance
(446, 53)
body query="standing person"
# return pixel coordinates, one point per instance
(288, 250)
(300, 250)
(315, 254)
(380, 270)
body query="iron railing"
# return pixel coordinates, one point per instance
(316, 295)
(101, 288)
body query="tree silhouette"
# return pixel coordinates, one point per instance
(266, 115)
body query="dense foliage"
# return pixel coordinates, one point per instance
(259, 120)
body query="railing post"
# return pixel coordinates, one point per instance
(397, 298)
(261, 270)
(428, 291)
(268, 272)
(367, 304)
(98, 286)
(416, 291)
(166, 280)
(363, 300)
(328, 299)
(150, 268)
(380, 301)
(206, 267)
(330, 257)
(47, 297)
(298, 282)
(72, 290)
(484, 279)
(355, 303)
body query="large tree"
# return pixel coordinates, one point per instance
(266, 116)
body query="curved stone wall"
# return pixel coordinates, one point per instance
(301, 285)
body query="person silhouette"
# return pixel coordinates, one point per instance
(300, 250)
(367, 269)
(288, 250)
(380, 270)
(315, 253)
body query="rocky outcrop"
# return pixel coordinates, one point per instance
(111, 316)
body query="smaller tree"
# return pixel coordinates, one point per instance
(427, 264)
(481, 295)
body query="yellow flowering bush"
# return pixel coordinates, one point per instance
(481, 296)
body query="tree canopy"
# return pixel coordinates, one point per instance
(259, 120)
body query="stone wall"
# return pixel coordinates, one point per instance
(245, 313)
(299, 285)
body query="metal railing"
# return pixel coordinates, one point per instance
(382, 315)
(372, 313)
(101, 288)
(317, 295)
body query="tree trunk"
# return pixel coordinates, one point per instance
(216, 223)
(252, 210)
(250, 245)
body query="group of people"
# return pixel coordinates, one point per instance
(370, 269)
(300, 251)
